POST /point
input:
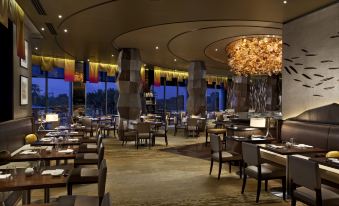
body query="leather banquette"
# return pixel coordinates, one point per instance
(317, 127)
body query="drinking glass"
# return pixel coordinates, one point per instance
(292, 141)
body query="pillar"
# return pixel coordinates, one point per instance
(129, 84)
(196, 88)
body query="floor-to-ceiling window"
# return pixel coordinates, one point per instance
(112, 98)
(171, 98)
(38, 92)
(182, 97)
(159, 93)
(95, 98)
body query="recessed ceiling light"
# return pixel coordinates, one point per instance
(175, 60)
(157, 48)
(36, 48)
(216, 49)
(42, 29)
(60, 16)
(88, 60)
(112, 55)
(65, 30)
(285, 2)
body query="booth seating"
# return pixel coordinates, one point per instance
(318, 127)
(11, 139)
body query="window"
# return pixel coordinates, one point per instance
(212, 101)
(182, 98)
(112, 98)
(95, 98)
(171, 98)
(159, 97)
(38, 93)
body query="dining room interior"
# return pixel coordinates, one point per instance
(169, 102)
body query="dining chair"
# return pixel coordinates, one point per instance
(82, 176)
(72, 200)
(92, 139)
(254, 167)
(192, 126)
(306, 184)
(220, 156)
(90, 147)
(161, 132)
(178, 124)
(89, 158)
(143, 133)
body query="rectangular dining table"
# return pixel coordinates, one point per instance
(282, 150)
(20, 181)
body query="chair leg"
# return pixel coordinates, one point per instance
(69, 189)
(240, 169)
(211, 168)
(220, 166)
(266, 183)
(166, 140)
(293, 201)
(229, 167)
(258, 190)
(283, 182)
(243, 184)
(206, 138)
(175, 131)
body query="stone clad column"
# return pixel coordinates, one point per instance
(196, 88)
(129, 83)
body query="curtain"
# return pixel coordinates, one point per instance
(69, 70)
(93, 72)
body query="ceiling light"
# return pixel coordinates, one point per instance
(157, 48)
(112, 55)
(60, 16)
(65, 30)
(216, 49)
(36, 48)
(260, 55)
(175, 60)
(285, 2)
(42, 29)
(88, 60)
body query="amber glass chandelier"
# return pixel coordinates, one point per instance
(260, 55)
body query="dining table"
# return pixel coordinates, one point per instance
(42, 178)
(279, 152)
(53, 141)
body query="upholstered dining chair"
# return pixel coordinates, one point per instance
(161, 132)
(306, 184)
(92, 139)
(82, 176)
(178, 124)
(192, 127)
(254, 167)
(71, 200)
(143, 133)
(89, 158)
(90, 147)
(221, 157)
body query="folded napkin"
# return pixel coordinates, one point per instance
(276, 146)
(237, 137)
(28, 152)
(66, 151)
(46, 139)
(303, 145)
(52, 172)
(334, 160)
(257, 138)
(73, 140)
(74, 132)
(2, 177)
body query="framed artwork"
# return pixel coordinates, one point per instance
(23, 90)
(23, 62)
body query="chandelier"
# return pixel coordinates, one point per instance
(260, 55)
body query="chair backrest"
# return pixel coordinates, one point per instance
(86, 122)
(251, 154)
(102, 179)
(175, 120)
(304, 172)
(101, 153)
(106, 201)
(215, 143)
(99, 140)
(192, 122)
(98, 132)
(143, 127)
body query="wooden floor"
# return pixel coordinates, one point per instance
(161, 176)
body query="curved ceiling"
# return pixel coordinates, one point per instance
(184, 30)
